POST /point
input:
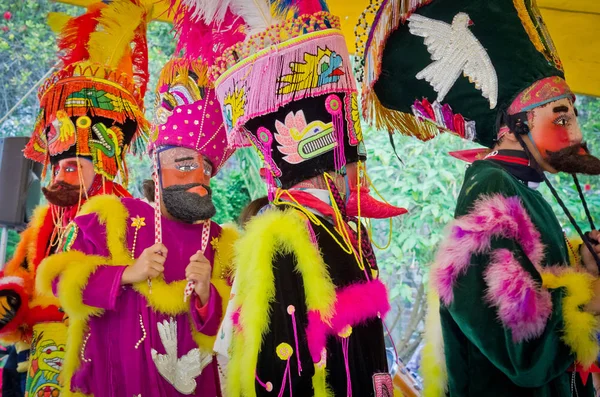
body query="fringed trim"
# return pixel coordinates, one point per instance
(272, 36)
(580, 326)
(433, 361)
(179, 68)
(523, 306)
(354, 304)
(531, 27)
(272, 233)
(491, 216)
(388, 18)
(392, 121)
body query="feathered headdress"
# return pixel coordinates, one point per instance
(93, 106)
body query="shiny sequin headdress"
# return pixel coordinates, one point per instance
(93, 106)
(451, 65)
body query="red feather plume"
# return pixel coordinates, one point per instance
(139, 59)
(75, 35)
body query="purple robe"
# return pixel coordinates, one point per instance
(117, 359)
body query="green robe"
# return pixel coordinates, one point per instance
(481, 357)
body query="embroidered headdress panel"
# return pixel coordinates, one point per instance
(289, 91)
(453, 65)
(93, 106)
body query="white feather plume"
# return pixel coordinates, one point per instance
(257, 14)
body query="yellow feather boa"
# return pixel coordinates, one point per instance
(580, 327)
(75, 268)
(274, 232)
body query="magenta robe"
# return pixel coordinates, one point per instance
(116, 359)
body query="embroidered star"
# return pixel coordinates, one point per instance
(138, 222)
(214, 242)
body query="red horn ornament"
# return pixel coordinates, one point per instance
(370, 207)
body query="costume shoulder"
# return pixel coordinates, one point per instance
(269, 241)
(484, 178)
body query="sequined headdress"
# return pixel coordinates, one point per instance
(286, 87)
(452, 65)
(188, 113)
(93, 106)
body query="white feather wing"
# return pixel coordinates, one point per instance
(436, 34)
(480, 70)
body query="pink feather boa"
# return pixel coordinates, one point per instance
(495, 216)
(354, 304)
(523, 305)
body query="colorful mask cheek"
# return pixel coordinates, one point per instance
(554, 129)
(182, 166)
(550, 137)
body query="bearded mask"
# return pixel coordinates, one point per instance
(71, 179)
(185, 178)
(553, 126)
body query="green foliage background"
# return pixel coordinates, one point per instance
(426, 182)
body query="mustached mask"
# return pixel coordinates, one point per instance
(302, 114)
(189, 145)
(184, 177)
(551, 124)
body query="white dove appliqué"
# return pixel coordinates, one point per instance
(180, 372)
(454, 49)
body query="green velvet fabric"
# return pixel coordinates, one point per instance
(498, 28)
(481, 357)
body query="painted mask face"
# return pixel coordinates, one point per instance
(554, 126)
(185, 177)
(71, 177)
(557, 136)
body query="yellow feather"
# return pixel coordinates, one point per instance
(267, 235)
(319, 382)
(118, 22)
(433, 364)
(580, 327)
(57, 21)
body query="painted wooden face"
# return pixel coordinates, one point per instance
(554, 127)
(74, 171)
(183, 166)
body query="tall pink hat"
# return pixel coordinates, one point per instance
(188, 113)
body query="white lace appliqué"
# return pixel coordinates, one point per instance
(180, 372)
(454, 50)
